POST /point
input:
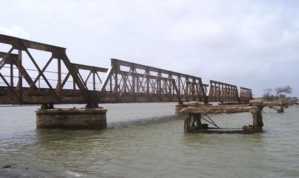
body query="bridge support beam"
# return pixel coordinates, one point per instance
(179, 107)
(75, 118)
(273, 104)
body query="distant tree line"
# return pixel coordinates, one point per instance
(280, 91)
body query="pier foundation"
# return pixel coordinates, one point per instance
(75, 118)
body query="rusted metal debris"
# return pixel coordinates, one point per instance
(122, 82)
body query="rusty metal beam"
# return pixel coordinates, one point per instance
(16, 44)
(23, 72)
(90, 68)
(2, 62)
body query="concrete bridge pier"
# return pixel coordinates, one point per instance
(258, 119)
(194, 111)
(90, 117)
(193, 122)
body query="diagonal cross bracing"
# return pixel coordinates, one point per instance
(30, 93)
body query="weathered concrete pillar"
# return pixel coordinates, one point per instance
(192, 121)
(257, 117)
(281, 109)
(197, 119)
(81, 118)
(187, 120)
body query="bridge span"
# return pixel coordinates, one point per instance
(38, 73)
(30, 78)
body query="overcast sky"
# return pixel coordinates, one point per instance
(253, 44)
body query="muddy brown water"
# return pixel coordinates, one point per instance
(147, 140)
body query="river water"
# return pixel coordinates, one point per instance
(147, 140)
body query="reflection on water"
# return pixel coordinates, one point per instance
(147, 140)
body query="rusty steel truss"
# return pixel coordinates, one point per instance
(130, 82)
(27, 79)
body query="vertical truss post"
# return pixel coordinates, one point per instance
(94, 80)
(11, 73)
(193, 88)
(147, 84)
(159, 92)
(133, 82)
(110, 78)
(20, 84)
(59, 78)
(170, 86)
(115, 91)
(237, 96)
(186, 88)
(179, 88)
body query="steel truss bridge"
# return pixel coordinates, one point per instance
(37, 73)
